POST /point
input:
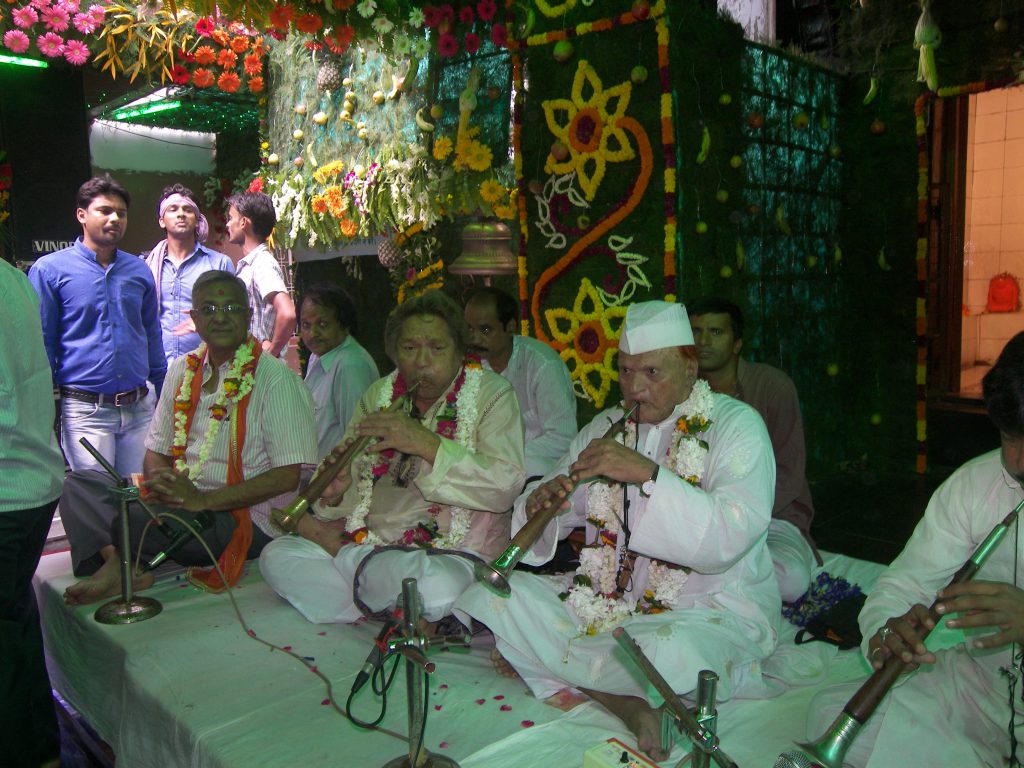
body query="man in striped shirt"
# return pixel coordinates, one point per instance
(241, 407)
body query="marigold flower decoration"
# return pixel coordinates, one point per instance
(586, 338)
(587, 124)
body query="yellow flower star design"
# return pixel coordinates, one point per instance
(586, 338)
(587, 124)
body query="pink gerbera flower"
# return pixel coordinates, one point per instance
(499, 35)
(24, 17)
(472, 42)
(85, 23)
(51, 44)
(447, 45)
(56, 18)
(71, 6)
(16, 41)
(97, 12)
(41, 4)
(76, 52)
(486, 9)
(466, 14)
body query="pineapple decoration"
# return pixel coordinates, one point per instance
(328, 75)
(389, 254)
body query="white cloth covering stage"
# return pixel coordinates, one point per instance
(189, 688)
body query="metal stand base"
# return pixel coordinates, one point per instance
(430, 761)
(127, 611)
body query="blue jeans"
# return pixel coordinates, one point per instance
(119, 433)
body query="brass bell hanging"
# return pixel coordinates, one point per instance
(486, 251)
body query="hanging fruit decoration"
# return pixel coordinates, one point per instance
(927, 37)
(801, 120)
(755, 120)
(877, 127)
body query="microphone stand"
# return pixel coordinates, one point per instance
(130, 609)
(677, 716)
(411, 645)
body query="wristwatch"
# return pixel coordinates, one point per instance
(647, 488)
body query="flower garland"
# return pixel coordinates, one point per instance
(592, 595)
(238, 382)
(457, 420)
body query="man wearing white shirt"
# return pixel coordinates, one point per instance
(676, 508)
(251, 220)
(247, 429)
(537, 374)
(339, 369)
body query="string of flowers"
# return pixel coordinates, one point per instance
(593, 595)
(921, 257)
(457, 420)
(668, 149)
(6, 181)
(238, 382)
(414, 281)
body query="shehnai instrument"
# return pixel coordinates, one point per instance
(831, 747)
(495, 574)
(287, 519)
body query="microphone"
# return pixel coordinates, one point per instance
(795, 760)
(376, 655)
(203, 520)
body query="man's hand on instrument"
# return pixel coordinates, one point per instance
(335, 490)
(607, 458)
(175, 489)
(401, 433)
(985, 604)
(546, 494)
(900, 636)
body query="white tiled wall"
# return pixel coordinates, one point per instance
(994, 218)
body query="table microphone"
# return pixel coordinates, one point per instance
(795, 760)
(203, 520)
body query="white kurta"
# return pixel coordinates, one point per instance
(485, 480)
(725, 617)
(548, 404)
(955, 712)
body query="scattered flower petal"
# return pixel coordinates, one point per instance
(527, 723)
(506, 707)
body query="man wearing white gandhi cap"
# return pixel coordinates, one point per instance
(676, 509)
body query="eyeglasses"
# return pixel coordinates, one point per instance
(231, 310)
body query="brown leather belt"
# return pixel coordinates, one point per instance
(117, 400)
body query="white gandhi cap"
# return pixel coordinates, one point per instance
(652, 325)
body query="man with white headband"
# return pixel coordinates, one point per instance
(176, 262)
(676, 509)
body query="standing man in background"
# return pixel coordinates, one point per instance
(176, 262)
(251, 220)
(718, 333)
(31, 472)
(536, 372)
(102, 333)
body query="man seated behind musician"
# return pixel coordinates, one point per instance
(954, 710)
(676, 548)
(440, 477)
(229, 434)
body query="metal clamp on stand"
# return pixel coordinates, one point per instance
(699, 729)
(130, 608)
(411, 645)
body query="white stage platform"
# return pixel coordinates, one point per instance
(190, 688)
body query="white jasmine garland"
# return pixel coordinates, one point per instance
(592, 596)
(223, 407)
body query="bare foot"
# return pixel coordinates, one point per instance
(501, 666)
(106, 582)
(642, 720)
(326, 533)
(565, 700)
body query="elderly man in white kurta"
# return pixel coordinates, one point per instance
(684, 505)
(440, 478)
(954, 710)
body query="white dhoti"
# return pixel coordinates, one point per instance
(540, 636)
(321, 586)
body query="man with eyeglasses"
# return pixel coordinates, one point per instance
(229, 436)
(102, 333)
(535, 371)
(176, 262)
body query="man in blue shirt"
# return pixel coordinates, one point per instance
(102, 333)
(176, 262)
